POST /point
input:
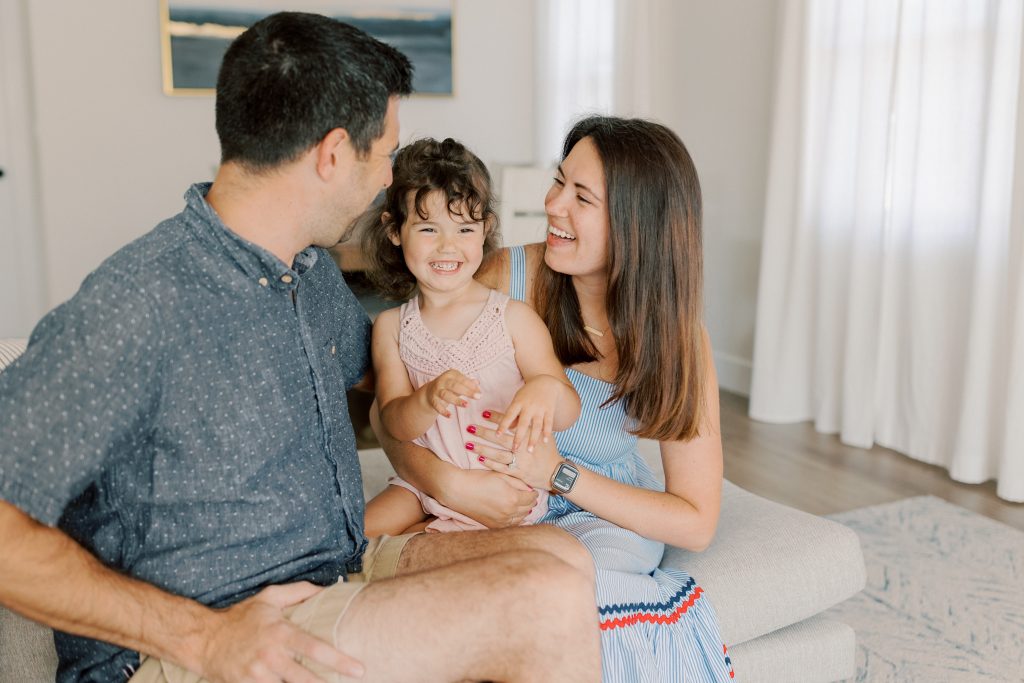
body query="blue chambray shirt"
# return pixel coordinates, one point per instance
(186, 421)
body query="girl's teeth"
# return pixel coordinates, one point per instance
(560, 233)
(444, 266)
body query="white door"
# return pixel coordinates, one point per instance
(21, 277)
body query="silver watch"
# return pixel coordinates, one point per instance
(564, 478)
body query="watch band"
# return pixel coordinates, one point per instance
(564, 478)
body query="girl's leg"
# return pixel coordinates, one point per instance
(392, 512)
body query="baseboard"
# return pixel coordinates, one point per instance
(734, 373)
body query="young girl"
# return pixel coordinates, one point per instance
(456, 346)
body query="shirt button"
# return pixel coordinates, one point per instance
(263, 282)
(286, 279)
(333, 349)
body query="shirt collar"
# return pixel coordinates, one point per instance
(256, 262)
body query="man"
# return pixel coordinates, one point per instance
(178, 475)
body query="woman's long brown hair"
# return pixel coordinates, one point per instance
(654, 298)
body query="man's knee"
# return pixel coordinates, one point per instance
(568, 549)
(552, 582)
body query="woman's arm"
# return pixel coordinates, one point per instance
(685, 515)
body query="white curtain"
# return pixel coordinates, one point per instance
(593, 57)
(891, 300)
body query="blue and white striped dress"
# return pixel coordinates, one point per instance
(656, 624)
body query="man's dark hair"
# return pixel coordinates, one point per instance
(293, 77)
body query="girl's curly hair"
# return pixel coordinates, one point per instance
(422, 167)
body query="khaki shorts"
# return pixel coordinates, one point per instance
(320, 615)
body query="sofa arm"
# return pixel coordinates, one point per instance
(771, 566)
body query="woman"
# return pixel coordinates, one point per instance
(619, 284)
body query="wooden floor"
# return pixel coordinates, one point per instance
(795, 465)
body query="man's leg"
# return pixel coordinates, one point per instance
(431, 551)
(513, 616)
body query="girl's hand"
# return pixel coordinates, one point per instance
(448, 388)
(532, 412)
(534, 468)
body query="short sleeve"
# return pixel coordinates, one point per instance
(357, 329)
(83, 393)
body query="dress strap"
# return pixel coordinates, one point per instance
(517, 273)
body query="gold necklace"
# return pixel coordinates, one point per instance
(591, 330)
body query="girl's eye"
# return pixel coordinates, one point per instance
(426, 229)
(559, 182)
(582, 199)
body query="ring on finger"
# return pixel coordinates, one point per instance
(512, 463)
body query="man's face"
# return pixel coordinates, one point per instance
(373, 172)
(353, 191)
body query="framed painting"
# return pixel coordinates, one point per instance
(195, 34)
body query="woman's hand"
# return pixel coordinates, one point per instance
(494, 499)
(451, 387)
(535, 469)
(532, 412)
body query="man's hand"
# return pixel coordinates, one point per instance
(253, 642)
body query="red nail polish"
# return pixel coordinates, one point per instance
(487, 414)
(481, 458)
(470, 446)
(471, 429)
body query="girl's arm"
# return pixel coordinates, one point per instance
(547, 402)
(406, 412)
(685, 515)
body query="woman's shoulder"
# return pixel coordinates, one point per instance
(496, 270)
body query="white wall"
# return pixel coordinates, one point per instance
(715, 90)
(116, 154)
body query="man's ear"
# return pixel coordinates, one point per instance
(334, 153)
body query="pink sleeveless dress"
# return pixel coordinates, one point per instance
(485, 353)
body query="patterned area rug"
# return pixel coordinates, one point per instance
(945, 594)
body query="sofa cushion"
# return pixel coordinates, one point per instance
(26, 650)
(771, 566)
(815, 650)
(9, 350)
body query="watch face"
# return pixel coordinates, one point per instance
(564, 478)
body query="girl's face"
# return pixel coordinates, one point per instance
(577, 210)
(443, 251)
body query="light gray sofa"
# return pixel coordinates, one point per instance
(770, 573)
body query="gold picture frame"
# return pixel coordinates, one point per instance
(194, 34)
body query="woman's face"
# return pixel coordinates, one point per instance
(577, 210)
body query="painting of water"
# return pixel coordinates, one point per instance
(196, 33)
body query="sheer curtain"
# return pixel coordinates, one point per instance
(891, 300)
(593, 57)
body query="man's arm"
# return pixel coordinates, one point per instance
(46, 576)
